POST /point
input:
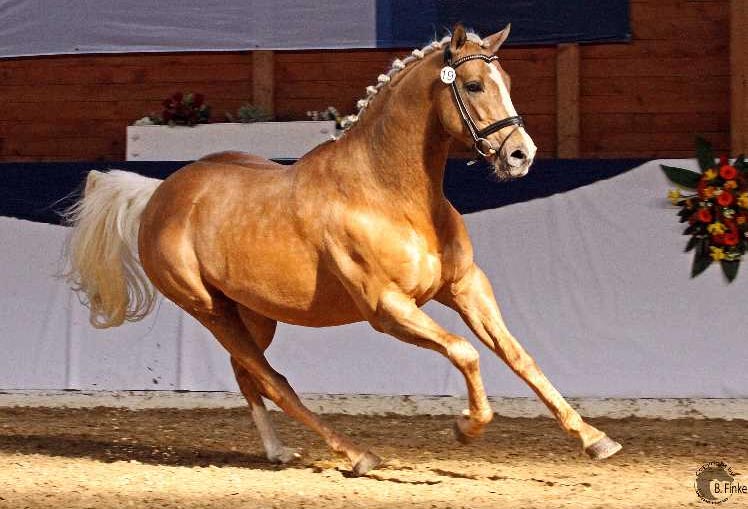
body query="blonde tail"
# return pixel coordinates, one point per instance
(104, 268)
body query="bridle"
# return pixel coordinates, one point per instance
(481, 145)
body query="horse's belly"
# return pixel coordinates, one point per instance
(292, 291)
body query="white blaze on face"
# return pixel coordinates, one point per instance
(506, 102)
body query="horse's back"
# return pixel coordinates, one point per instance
(244, 159)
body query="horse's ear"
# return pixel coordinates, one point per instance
(459, 37)
(494, 42)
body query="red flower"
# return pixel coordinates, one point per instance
(723, 160)
(700, 187)
(728, 172)
(730, 239)
(725, 199)
(704, 216)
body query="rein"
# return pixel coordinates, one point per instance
(481, 145)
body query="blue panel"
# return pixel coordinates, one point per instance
(413, 23)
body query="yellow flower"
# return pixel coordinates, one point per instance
(743, 200)
(731, 184)
(710, 174)
(674, 196)
(717, 253)
(716, 228)
(709, 192)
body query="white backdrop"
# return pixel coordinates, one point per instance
(593, 282)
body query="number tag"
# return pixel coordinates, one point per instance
(447, 75)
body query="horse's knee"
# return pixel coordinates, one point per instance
(462, 353)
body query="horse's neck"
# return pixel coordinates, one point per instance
(400, 144)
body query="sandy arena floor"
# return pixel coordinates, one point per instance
(107, 458)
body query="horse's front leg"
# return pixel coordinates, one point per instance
(396, 314)
(473, 298)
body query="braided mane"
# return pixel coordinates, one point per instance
(397, 66)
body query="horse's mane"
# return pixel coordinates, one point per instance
(397, 66)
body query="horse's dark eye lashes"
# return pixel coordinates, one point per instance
(474, 86)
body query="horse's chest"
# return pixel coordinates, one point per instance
(382, 251)
(414, 264)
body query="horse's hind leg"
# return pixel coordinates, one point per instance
(261, 330)
(274, 448)
(176, 273)
(223, 320)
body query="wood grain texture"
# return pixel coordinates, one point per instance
(647, 98)
(739, 79)
(263, 83)
(567, 100)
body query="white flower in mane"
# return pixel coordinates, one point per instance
(397, 66)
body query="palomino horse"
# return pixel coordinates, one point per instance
(358, 229)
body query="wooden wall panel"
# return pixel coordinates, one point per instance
(306, 80)
(567, 101)
(643, 99)
(739, 79)
(651, 97)
(77, 107)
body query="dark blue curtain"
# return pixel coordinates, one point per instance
(411, 23)
(40, 191)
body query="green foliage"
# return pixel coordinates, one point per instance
(682, 177)
(701, 259)
(704, 153)
(741, 164)
(249, 113)
(730, 269)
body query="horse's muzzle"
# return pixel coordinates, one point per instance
(504, 173)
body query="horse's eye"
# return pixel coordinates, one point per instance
(474, 86)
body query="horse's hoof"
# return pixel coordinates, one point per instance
(460, 435)
(603, 448)
(284, 455)
(365, 463)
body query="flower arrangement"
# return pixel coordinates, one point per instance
(717, 212)
(180, 109)
(249, 113)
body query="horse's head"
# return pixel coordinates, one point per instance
(475, 107)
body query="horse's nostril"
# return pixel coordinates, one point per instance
(518, 154)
